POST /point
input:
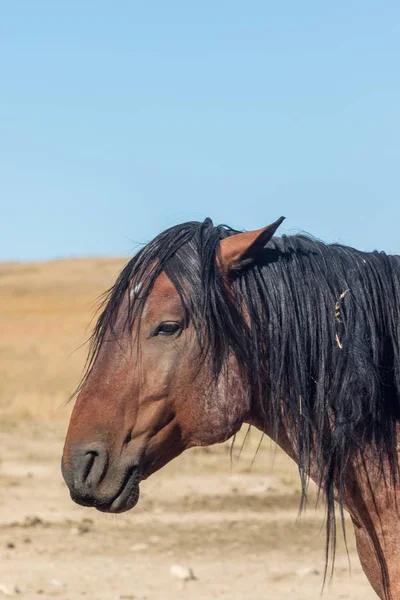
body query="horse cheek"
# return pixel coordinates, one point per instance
(214, 412)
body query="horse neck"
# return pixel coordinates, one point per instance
(278, 434)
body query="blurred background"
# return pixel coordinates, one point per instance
(117, 121)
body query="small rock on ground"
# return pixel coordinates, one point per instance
(182, 572)
(9, 590)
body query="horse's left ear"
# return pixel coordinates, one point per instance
(242, 249)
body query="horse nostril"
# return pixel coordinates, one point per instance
(87, 467)
(90, 458)
(95, 464)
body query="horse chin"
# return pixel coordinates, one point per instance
(126, 499)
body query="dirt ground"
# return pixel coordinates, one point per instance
(235, 527)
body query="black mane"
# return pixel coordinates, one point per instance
(322, 348)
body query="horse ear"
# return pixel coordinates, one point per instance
(242, 249)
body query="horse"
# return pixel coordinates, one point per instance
(207, 328)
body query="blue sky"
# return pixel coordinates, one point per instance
(120, 119)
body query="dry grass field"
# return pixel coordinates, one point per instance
(236, 527)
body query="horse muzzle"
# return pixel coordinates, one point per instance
(92, 483)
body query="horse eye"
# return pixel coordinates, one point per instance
(167, 328)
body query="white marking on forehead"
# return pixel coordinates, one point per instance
(135, 290)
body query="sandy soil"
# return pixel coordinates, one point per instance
(237, 529)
